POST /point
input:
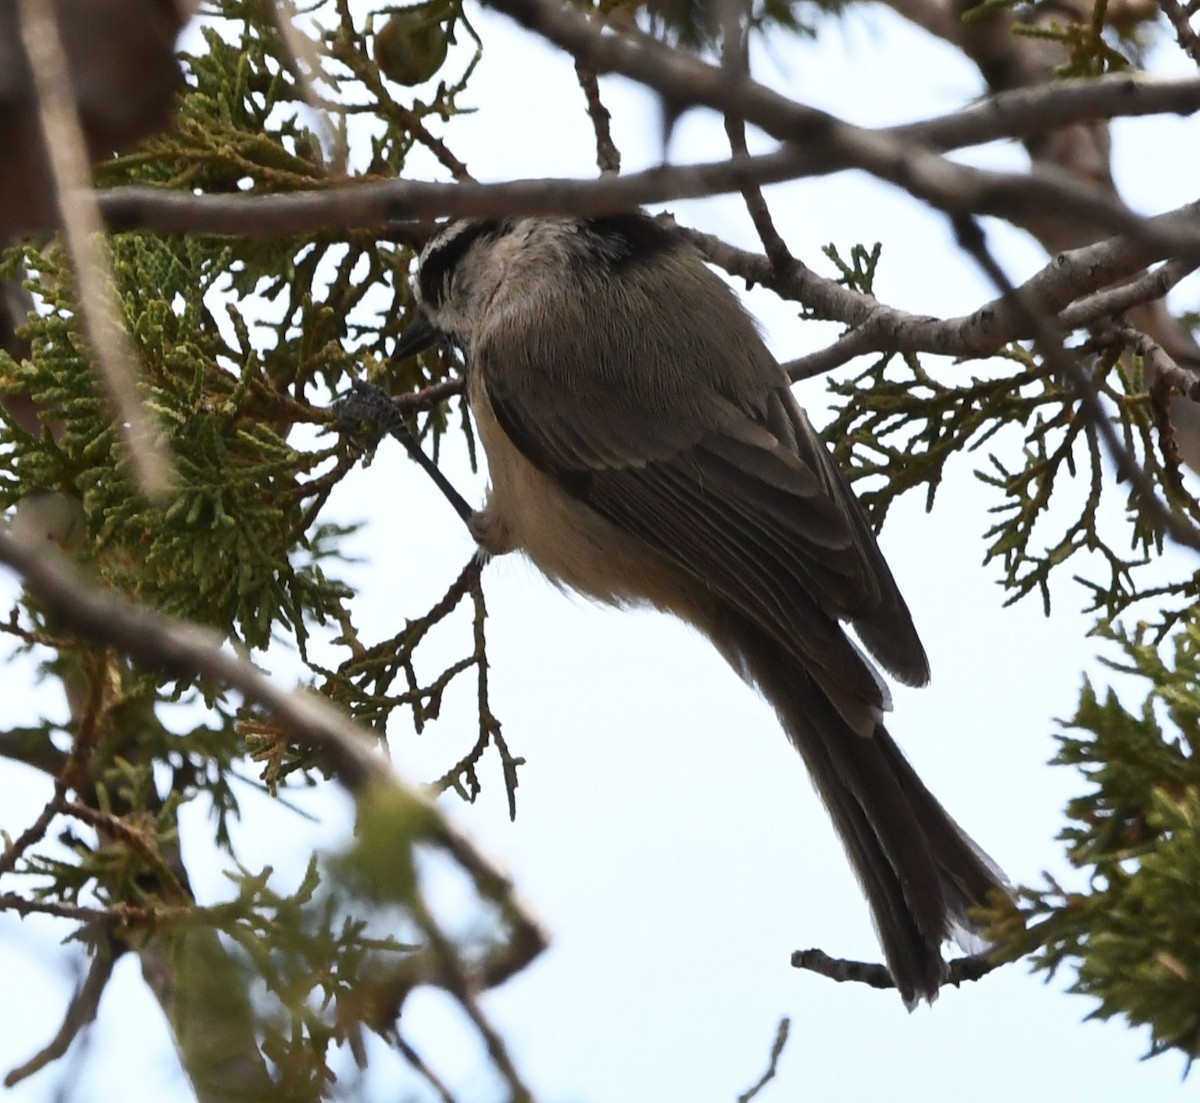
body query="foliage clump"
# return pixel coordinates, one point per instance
(242, 344)
(1135, 832)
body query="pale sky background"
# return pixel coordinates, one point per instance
(666, 833)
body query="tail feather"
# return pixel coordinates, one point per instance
(920, 872)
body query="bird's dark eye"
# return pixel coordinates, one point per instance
(439, 264)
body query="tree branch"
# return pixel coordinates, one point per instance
(781, 1037)
(161, 643)
(66, 152)
(366, 205)
(843, 970)
(1145, 495)
(1067, 287)
(1185, 33)
(80, 1013)
(829, 143)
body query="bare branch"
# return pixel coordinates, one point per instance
(842, 970)
(736, 62)
(608, 157)
(80, 1013)
(83, 913)
(367, 205)
(1055, 288)
(1158, 360)
(829, 143)
(423, 1069)
(1185, 33)
(781, 1037)
(1106, 304)
(1028, 111)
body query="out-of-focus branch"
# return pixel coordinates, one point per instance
(66, 152)
(302, 58)
(80, 1013)
(608, 157)
(781, 1037)
(164, 644)
(1185, 33)
(1108, 304)
(1165, 370)
(735, 18)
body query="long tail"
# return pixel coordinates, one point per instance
(920, 871)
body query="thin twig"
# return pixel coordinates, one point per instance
(423, 1069)
(301, 56)
(35, 831)
(1156, 358)
(1145, 495)
(429, 397)
(781, 1037)
(1113, 301)
(81, 1012)
(23, 905)
(608, 157)
(459, 984)
(66, 153)
(735, 58)
(1185, 33)
(108, 825)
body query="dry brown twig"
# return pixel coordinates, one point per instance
(735, 59)
(1185, 33)
(781, 1037)
(608, 157)
(844, 970)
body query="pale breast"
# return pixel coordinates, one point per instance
(528, 511)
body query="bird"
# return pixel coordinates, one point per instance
(644, 448)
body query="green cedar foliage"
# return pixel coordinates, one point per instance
(242, 344)
(1135, 833)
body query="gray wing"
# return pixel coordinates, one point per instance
(720, 472)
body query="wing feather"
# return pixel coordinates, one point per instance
(720, 471)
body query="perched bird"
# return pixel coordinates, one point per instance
(644, 448)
